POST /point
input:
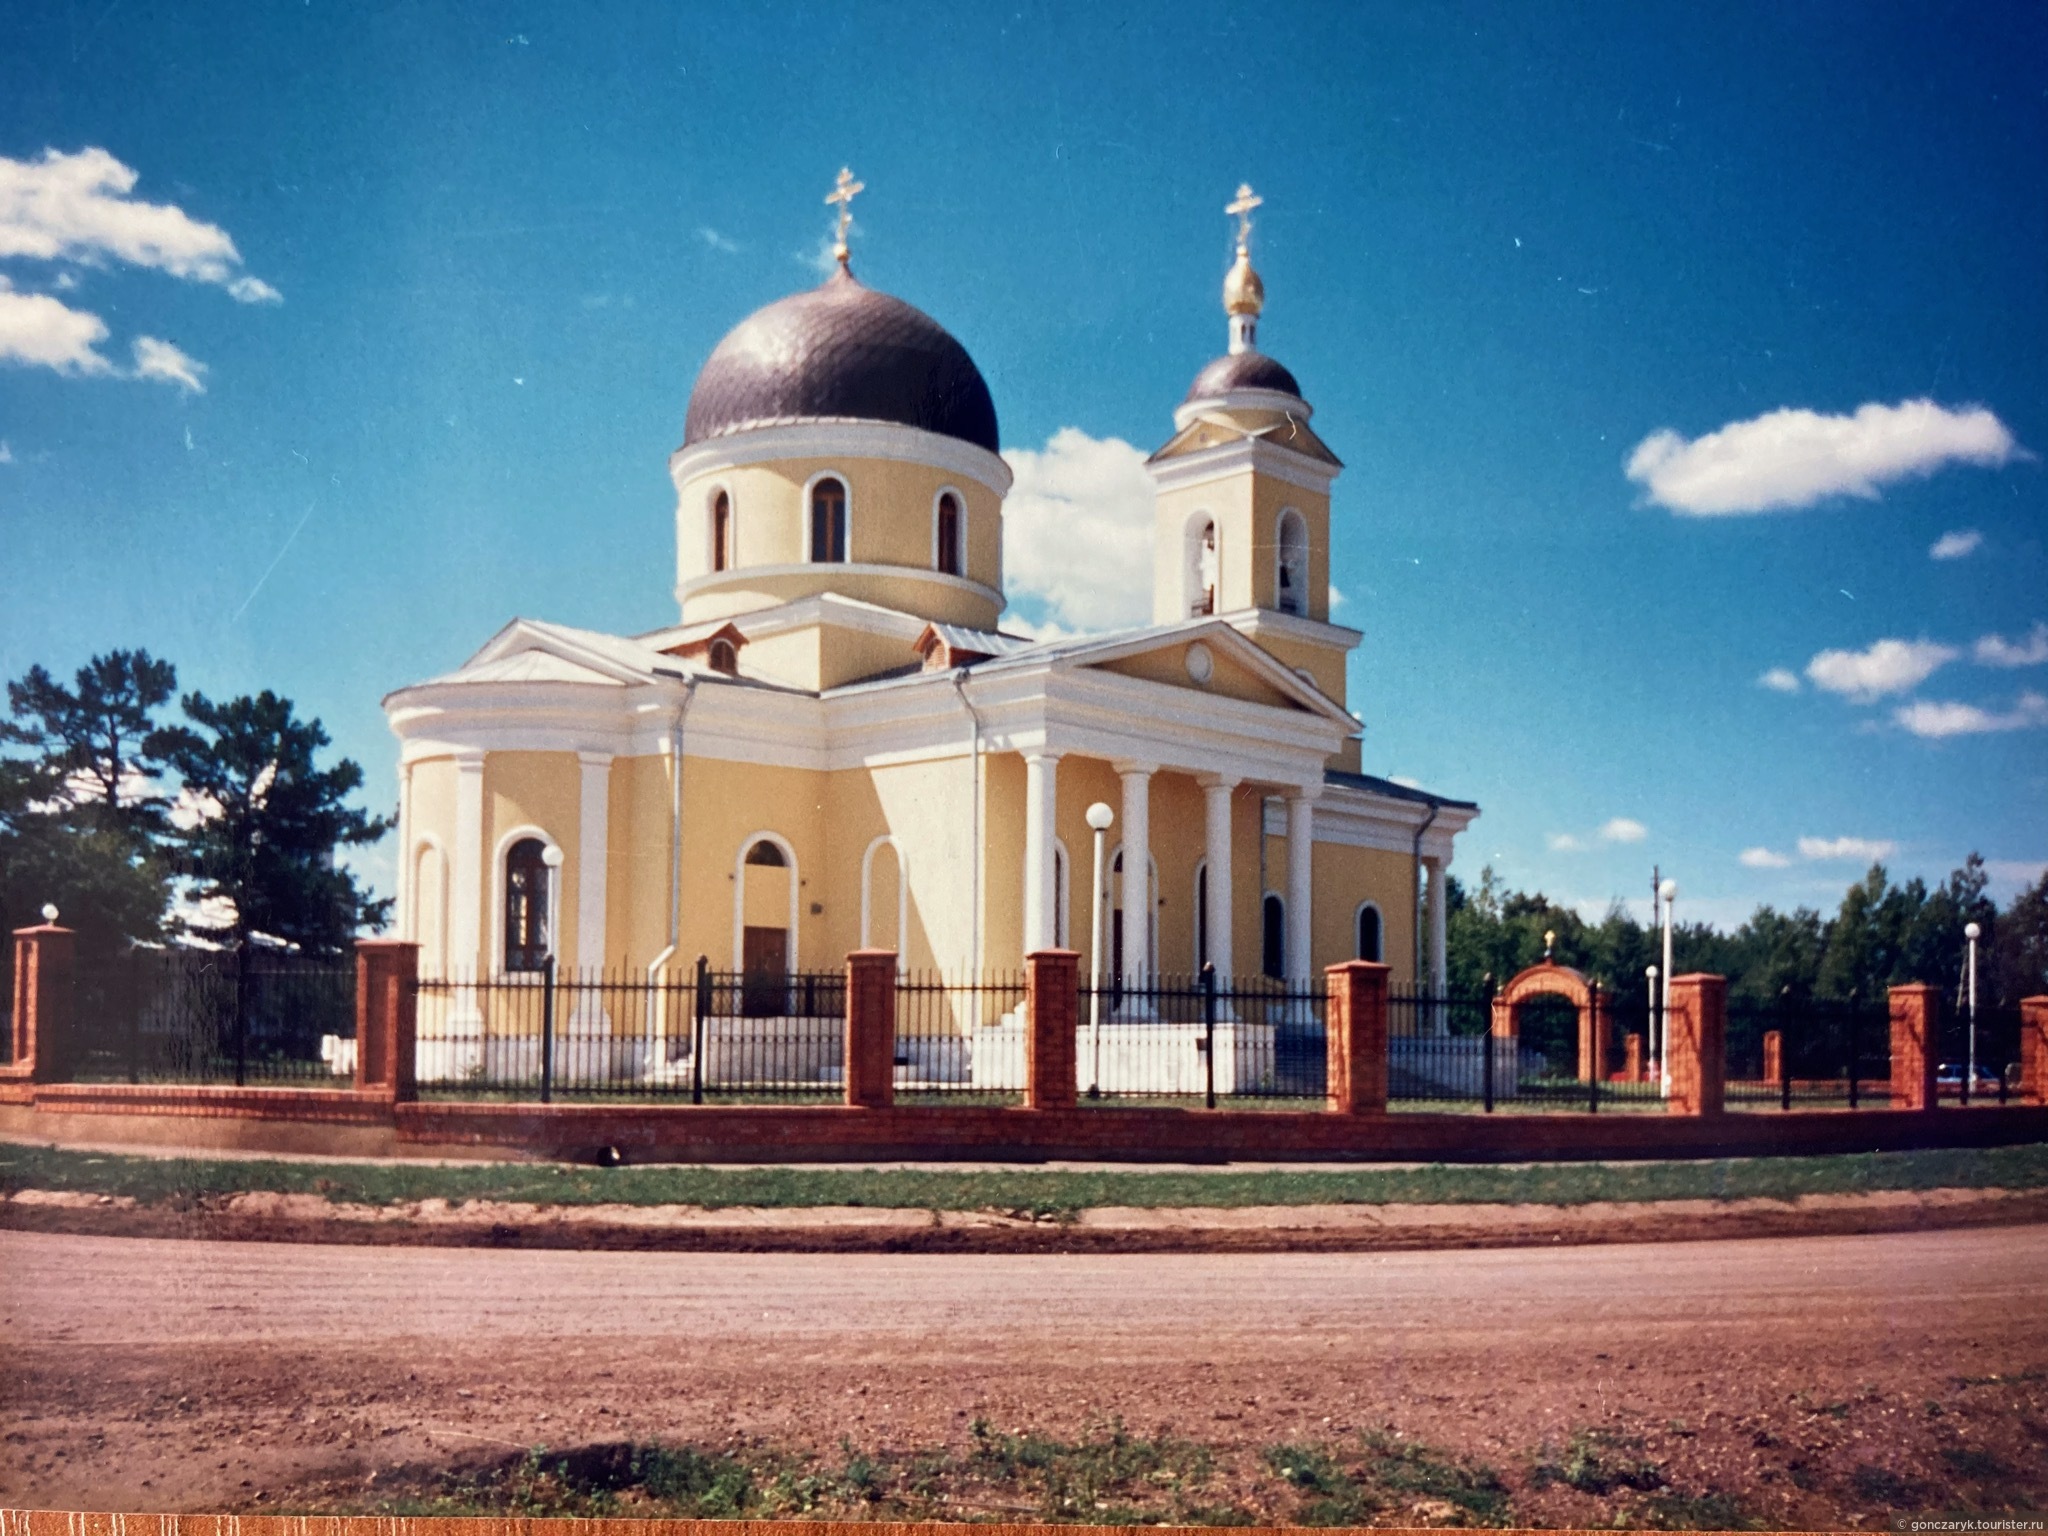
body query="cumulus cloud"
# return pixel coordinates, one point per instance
(1077, 532)
(1936, 719)
(1997, 651)
(1564, 842)
(1862, 849)
(165, 364)
(77, 208)
(1955, 544)
(1780, 680)
(1794, 458)
(1623, 830)
(38, 331)
(1889, 666)
(6, 453)
(1763, 858)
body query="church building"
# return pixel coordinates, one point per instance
(837, 746)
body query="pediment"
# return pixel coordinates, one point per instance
(1235, 668)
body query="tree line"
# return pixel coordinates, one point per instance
(1883, 933)
(221, 826)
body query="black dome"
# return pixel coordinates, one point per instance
(841, 352)
(1242, 370)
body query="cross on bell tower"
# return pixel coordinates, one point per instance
(843, 192)
(1243, 294)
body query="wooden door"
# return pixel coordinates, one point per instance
(764, 967)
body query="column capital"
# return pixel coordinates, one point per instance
(1042, 754)
(1295, 794)
(469, 759)
(1130, 768)
(1217, 781)
(590, 758)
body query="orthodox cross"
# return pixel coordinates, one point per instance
(1241, 210)
(843, 193)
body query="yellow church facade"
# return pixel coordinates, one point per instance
(837, 746)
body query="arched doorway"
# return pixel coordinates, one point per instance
(1547, 980)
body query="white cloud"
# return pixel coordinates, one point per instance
(1955, 544)
(77, 208)
(1937, 719)
(165, 364)
(1564, 842)
(1997, 651)
(1780, 680)
(1623, 830)
(1337, 599)
(1077, 531)
(1794, 458)
(41, 332)
(1889, 666)
(6, 453)
(824, 256)
(1762, 858)
(2015, 872)
(717, 241)
(1862, 849)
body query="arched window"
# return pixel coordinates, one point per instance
(1370, 942)
(1202, 568)
(724, 657)
(721, 532)
(526, 905)
(1273, 959)
(947, 535)
(767, 855)
(1291, 572)
(828, 521)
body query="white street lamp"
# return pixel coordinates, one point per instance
(1100, 819)
(1972, 932)
(551, 856)
(1650, 972)
(1669, 891)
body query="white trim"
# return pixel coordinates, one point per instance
(497, 933)
(1113, 900)
(1249, 622)
(466, 894)
(1359, 911)
(754, 573)
(867, 875)
(1242, 455)
(807, 528)
(739, 896)
(841, 440)
(1241, 400)
(435, 963)
(959, 529)
(593, 850)
(1063, 903)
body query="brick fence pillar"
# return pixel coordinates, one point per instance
(387, 1017)
(1596, 1035)
(1051, 1014)
(2034, 1050)
(871, 1028)
(1916, 1022)
(1355, 1037)
(1699, 1044)
(1632, 1059)
(1774, 1057)
(45, 969)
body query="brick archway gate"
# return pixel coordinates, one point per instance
(1549, 979)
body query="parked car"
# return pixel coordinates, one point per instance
(1948, 1078)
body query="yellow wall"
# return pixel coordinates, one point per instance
(1230, 678)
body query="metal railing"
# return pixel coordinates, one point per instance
(1443, 1053)
(1250, 1041)
(959, 1037)
(241, 1016)
(1831, 1053)
(701, 1034)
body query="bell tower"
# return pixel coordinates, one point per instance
(1242, 522)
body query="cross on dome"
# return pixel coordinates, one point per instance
(1243, 294)
(843, 192)
(1241, 209)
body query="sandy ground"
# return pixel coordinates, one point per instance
(149, 1374)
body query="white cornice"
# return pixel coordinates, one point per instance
(1241, 456)
(1252, 622)
(841, 440)
(1277, 400)
(741, 576)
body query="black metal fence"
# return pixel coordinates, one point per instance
(1993, 1047)
(1832, 1052)
(960, 1038)
(701, 1034)
(213, 1016)
(1443, 1053)
(1244, 1040)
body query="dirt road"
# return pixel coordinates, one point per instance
(150, 1374)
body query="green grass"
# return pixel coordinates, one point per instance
(182, 1181)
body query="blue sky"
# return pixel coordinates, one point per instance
(465, 262)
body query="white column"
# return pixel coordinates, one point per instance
(1439, 914)
(466, 907)
(1137, 890)
(1216, 799)
(1041, 880)
(408, 926)
(1301, 832)
(593, 831)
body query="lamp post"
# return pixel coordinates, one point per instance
(551, 856)
(1972, 932)
(1669, 891)
(1650, 1033)
(1100, 819)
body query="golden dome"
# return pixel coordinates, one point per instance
(1243, 293)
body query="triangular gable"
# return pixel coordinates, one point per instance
(1242, 669)
(609, 657)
